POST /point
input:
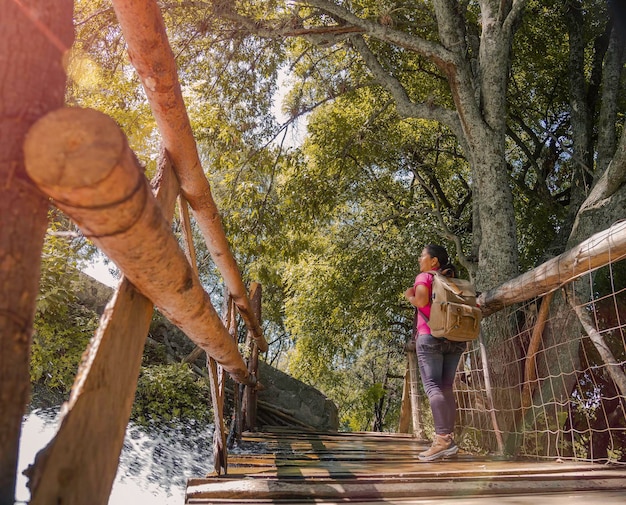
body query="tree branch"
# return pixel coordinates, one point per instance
(513, 16)
(406, 108)
(289, 26)
(431, 50)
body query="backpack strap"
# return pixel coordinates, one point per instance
(450, 285)
(430, 295)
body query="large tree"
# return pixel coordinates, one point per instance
(442, 61)
(537, 121)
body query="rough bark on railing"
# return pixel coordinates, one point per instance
(81, 158)
(95, 417)
(151, 55)
(598, 250)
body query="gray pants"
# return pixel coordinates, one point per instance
(438, 359)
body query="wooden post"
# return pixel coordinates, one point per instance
(152, 57)
(250, 399)
(414, 392)
(489, 392)
(237, 427)
(220, 456)
(404, 425)
(81, 158)
(96, 415)
(530, 365)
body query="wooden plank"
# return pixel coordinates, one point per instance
(577, 498)
(292, 467)
(346, 490)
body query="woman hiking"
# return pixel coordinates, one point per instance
(437, 357)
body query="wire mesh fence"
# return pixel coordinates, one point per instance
(552, 382)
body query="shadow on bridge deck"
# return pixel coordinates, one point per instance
(291, 467)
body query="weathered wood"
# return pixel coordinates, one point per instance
(190, 250)
(81, 158)
(404, 425)
(220, 455)
(95, 417)
(384, 468)
(599, 250)
(218, 392)
(34, 40)
(416, 400)
(264, 491)
(530, 365)
(489, 392)
(193, 355)
(151, 55)
(250, 392)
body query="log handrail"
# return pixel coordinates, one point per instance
(81, 159)
(596, 251)
(94, 418)
(151, 55)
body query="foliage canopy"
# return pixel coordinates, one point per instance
(332, 225)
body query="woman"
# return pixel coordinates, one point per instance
(438, 358)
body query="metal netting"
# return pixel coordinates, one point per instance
(554, 384)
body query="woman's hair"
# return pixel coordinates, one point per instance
(439, 252)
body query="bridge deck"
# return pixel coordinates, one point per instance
(289, 467)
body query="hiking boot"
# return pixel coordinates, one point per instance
(443, 446)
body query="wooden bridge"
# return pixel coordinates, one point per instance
(82, 161)
(291, 467)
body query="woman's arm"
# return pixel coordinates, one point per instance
(417, 296)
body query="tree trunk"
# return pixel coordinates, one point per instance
(604, 204)
(480, 99)
(33, 43)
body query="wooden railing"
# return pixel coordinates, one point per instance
(81, 159)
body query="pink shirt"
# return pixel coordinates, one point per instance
(425, 279)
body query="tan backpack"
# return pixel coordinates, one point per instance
(454, 314)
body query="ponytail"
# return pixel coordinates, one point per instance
(439, 252)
